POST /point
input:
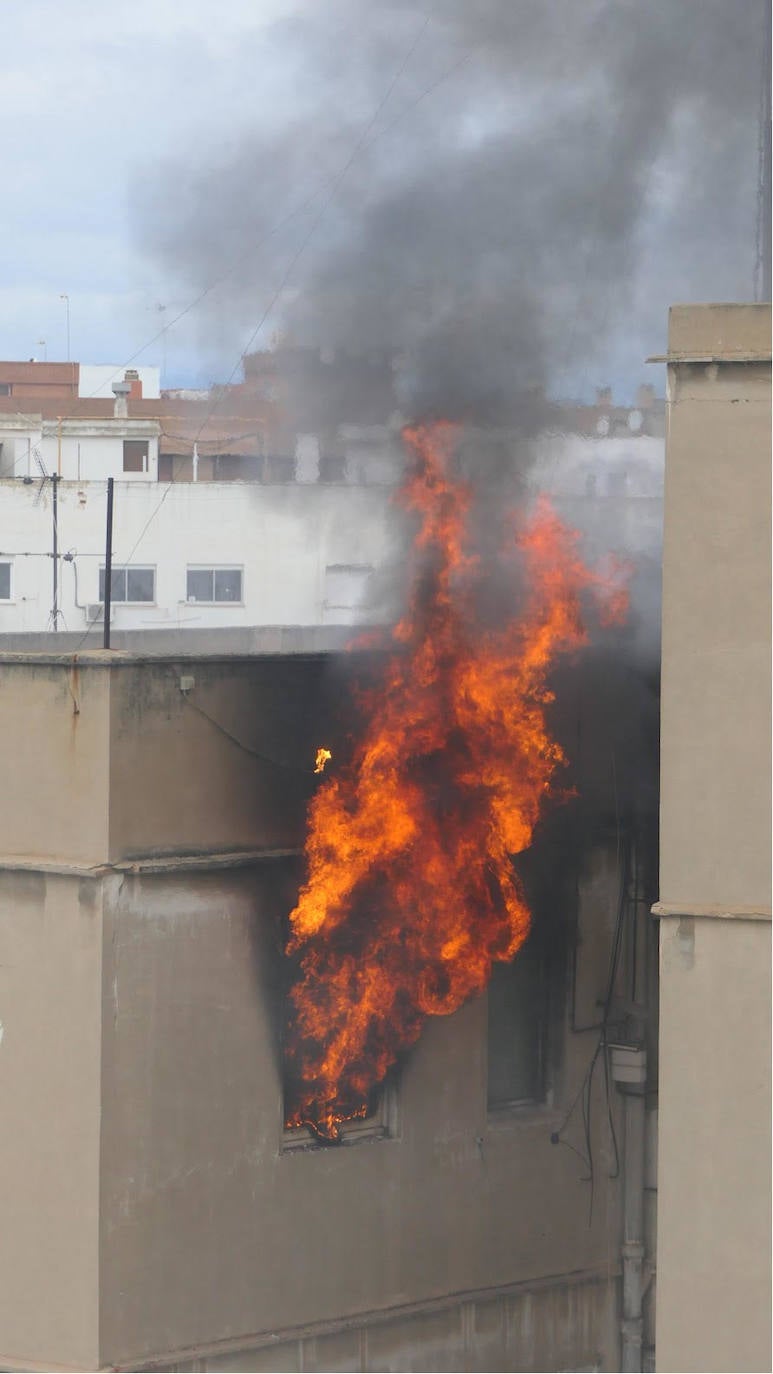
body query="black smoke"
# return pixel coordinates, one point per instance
(507, 194)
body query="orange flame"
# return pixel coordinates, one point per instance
(323, 756)
(411, 893)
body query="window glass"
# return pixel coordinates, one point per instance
(5, 581)
(228, 584)
(140, 584)
(517, 1010)
(199, 587)
(117, 584)
(129, 584)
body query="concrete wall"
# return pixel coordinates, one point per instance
(50, 1052)
(156, 1216)
(715, 1105)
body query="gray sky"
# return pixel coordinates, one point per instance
(92, 93)
(577, 165)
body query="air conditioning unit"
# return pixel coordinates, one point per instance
(95, 611)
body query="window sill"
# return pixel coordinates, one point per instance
(382, 1125)
(214, 605)
(543, 1114)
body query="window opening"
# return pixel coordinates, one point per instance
(346, 585)
(214, 585)
(517, 1029)
(129, 584)
(5, 581)
(135, 455)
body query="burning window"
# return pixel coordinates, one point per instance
(517, 1024)
(411, 897)
(379, 1123)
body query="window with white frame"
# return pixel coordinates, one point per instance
(214, 586)
(129, 584)
(6, 581)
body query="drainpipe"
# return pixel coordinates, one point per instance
(195, 462)
(629, 1071)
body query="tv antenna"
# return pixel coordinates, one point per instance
(53, 478)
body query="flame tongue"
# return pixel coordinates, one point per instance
(411, 893)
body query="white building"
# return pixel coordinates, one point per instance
(201, 556)
(291, 539)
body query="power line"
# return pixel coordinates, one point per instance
(337, 180)
(365, 141)
(361, 144)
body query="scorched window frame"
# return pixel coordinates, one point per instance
(382, 1124)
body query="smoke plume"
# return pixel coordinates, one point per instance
(508, 195)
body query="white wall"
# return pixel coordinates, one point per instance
(92, 456)
(284, 538)
(78, 450)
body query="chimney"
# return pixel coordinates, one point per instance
(645, 396)
(121, 392)
(604, 397)
(132, 376)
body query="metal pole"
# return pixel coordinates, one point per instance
(766, 176)
(762, 263)
(64, 297)
(55, 611)
(108, 562)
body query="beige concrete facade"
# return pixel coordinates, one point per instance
(714, 1251)
(150, 1213)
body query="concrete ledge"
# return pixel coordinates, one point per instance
(183, 1359)
(168, 863)
(712, 911)
(133, 645)
(713, 331)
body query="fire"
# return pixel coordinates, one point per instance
(411, 892)
(323, 756)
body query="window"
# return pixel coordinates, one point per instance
(214, 585)
(129, 584)
(517, 1027)
(381, 1123)
(5, 389)
(346, 585)
(135, 455)
(5, 581)
(332, 468)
